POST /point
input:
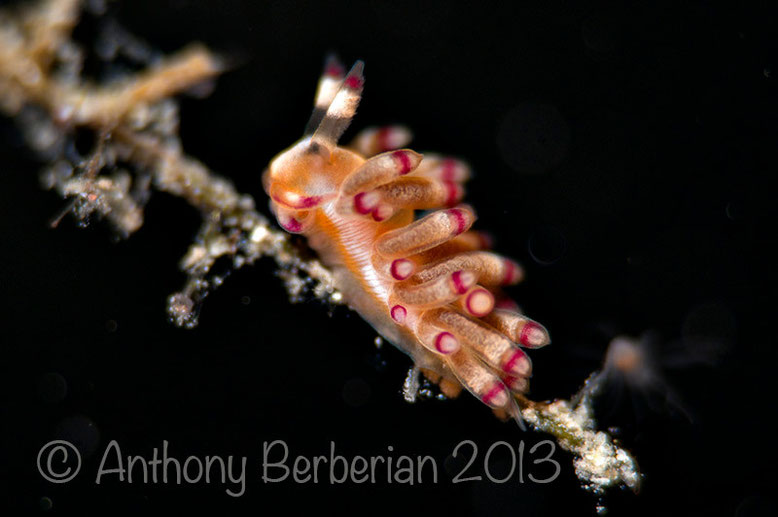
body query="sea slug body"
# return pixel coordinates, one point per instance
(427, 285)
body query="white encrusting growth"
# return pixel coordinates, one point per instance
(599, 462)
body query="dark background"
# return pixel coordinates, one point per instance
(622, 154)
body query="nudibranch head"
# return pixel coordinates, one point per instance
(311, 171)
(308, 174)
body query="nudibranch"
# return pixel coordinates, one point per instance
(428, 285)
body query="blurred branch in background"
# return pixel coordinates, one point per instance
(135, 148)
(133, 122)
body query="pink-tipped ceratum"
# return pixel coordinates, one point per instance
(445, 343)
(398, 313)
(496, 395)
(478, 302)
(402, 269)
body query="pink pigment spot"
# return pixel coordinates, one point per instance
(518, 363)
(405, 161)
(353, 82)
(448, 172)
(533, 335)
(292, 225)
(512, 272)
(507, 304)
(486, 240)
(295, 201)
(308, 202)
(401, 269)
(384, 138)
(364, 203)
(445, 343)
(381, 212)
(515, 383)
(335, 70)
(461, 285)
(454, 193)
(398, 313)
(480, 302)
(459, 217)
(509, 267)
(496, 390)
